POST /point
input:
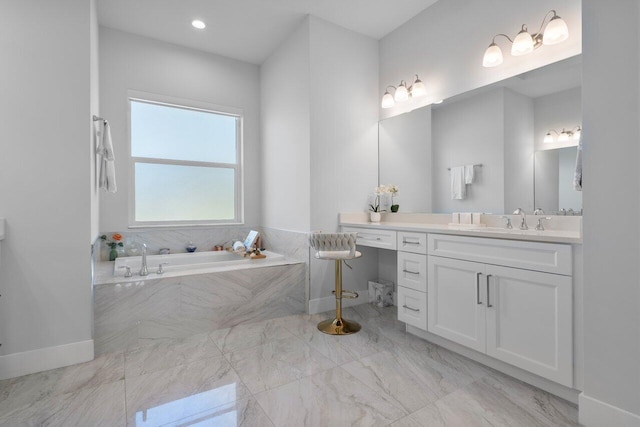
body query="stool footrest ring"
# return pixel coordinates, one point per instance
(348, 294)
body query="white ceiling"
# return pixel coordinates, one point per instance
(249, 30)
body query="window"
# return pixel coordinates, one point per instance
(185, 164)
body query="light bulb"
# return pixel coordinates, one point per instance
(564, 136)
(198, 24)
(402, 94)
(576, 134)
(387, 100)
(522, 44)
(548, 138)
(556, 31)
(418, 89)
(492, 56)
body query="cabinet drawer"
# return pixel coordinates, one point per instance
(412, 271)
(546, 257)
(412, 242)
(412, 307)
(384, 239)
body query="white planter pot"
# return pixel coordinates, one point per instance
(375, 216)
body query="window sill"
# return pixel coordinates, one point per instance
(152, 226)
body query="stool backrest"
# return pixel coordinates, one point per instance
(334, 242)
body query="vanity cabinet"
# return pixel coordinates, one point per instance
(412, 278)
(517, 315)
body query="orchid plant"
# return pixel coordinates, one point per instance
(390, 189)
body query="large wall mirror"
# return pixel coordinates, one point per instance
(497, 131)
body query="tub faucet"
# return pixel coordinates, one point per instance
(523, 224)
(143, 268)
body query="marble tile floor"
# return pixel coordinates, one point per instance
(282, 372)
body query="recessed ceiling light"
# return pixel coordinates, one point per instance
(440, 101)
(198, 24)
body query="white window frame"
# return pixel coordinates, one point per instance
(238, 167)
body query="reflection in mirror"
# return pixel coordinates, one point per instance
(500, 126)
(554, 171)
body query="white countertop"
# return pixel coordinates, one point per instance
(569, 233)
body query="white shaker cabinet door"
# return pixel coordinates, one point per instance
(456, 295)
(529, 321)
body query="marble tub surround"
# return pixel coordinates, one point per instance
(558, 229)
(276, 377)
(292, 244)
(176, 239)
(144, 311)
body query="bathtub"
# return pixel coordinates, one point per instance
(198, 293)
(193, 263)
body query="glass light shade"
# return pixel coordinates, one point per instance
(492, 56)
(198, 24)
(548, 138)
(522, 44)
(576, 134)
(402, 94)
(555, 32)
(563, 137)
(387, 100)
(418, 89)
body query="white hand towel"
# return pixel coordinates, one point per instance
(577, 175)
(107, 177)
(468, 174)
(458, 188)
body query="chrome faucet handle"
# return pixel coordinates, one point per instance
(160, 269)
(540, 226)
(508, 224)
(538, 211)
(128, 272)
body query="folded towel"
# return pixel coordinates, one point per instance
(458, 188)
(577, 175)
(107, 177)
(468, 174)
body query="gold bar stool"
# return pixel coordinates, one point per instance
(338, 247)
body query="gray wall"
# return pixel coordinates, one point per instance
(610, 99)
(138, 63)
(45, 192)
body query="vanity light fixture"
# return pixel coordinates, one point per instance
(556, 31)
(403, 93)
(563, 136)
(200, 25)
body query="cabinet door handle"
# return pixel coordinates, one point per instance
(409, 308)
(478, 288)
(488, 303)
(411, 272)
(410, 243)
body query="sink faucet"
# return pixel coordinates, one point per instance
(523, 224)
(143, 267)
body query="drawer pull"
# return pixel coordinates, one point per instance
(488, 303)
(410, 243)
(478, 288)
(411, 272)
(370, 238)
(409, 308)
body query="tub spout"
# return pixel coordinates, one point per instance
(143, 268)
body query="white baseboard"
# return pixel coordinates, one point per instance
(320, 305)
(43, 359)
(594, 412)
